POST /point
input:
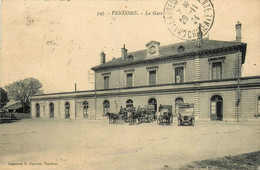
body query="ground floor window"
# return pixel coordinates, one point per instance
(67, 110)
(51, 110)
(178, 101)
(37, 110)
(153, 101)
(216, 108)
(85, 109)
(129, 103)
(106, 106)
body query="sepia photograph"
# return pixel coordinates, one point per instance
(130, 84)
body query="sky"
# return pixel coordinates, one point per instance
(58, 42)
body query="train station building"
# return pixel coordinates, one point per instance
(206, 73)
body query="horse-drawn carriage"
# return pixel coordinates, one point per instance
(146, 114)
(186, 114)
(132, 116)
(113, 117)
(165, 114)
(127, 114)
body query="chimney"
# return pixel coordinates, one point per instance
(102, 57)
(124, 52)
(200, 34)
(238, 30)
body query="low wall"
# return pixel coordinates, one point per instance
(21, 115)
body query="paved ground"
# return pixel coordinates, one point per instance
(84, 144)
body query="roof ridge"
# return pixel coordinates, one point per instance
(172, 49)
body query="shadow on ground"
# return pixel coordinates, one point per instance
(7, 121)
(244, 161)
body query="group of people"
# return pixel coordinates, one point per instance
(127, 110)
(147, 114)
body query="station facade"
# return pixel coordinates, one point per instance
(204, 72)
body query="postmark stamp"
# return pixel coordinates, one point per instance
(183, 17)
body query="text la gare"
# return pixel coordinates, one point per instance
(153, 13)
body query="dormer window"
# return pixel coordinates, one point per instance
(181, 49)
(153, 49)
(130, 57)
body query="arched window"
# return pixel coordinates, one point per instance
(129, 103)
(51, 110)
(106, 107)
(216, 108)
(85, 109)
(153, 101)
(258, 105)
(181, 49)
(37, 110)
(67, 110)
(178, 101)
(130, 57)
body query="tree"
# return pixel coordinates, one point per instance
(4, 97)
(22, 90)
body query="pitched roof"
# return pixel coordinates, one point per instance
(13, 105)
(190, 47)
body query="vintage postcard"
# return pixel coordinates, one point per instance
(130, 84)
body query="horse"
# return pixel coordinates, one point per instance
(113, 117)
(165, 117)
(134, 117)
(141, 115)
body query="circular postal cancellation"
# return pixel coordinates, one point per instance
(183, 17)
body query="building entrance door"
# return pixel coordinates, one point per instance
(37, 110)
(67, 110)
(51, 110)
(216, 111)
(178, 102)
(106, 106)
(85, 109)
